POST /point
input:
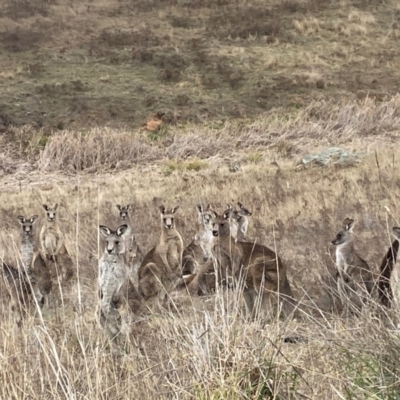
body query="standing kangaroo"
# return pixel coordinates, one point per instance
(239, 221)
(199, 250)
(161, 268)
(389, 278)
(354, 276)
(133, 253)
(262, 271)
(242, 221)
(33, 263)
(114, 277)
(52, 242)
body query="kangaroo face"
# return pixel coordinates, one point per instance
(123, 211)
(50, 212)
(168, 219)
(114, 242)
(205, 216)
(221, 226)
(344, 235)
(27, 224)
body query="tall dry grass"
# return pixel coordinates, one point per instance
(206, 349)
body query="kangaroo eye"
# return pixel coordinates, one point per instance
(117, 242)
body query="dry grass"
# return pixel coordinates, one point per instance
(206, 349)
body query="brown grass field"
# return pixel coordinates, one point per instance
(245, 90)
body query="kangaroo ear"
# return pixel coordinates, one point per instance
(21, 219)
(240, 205)
(396, 232)
(55, 206)
(208, 207)
(162, 209)
(128, 207)
(174, 209)
(348, 224)
(33, 219)
(45, 206)
(119, 207)
(199, 208)
(122, 229)
(105, 231)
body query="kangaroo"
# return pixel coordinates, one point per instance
(114, 277)
(33, 263)
(161, 268)
(260, 268)
(241, 217)
(17, 290)
(230, 214)
(124, 218)
(354, 276)
(52, 242)
(239, 221)
(389, 279)
(199, 250)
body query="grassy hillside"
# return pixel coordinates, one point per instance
(235, 96)
(76, 64)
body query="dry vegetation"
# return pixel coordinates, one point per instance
(193, 102)
(205, 349)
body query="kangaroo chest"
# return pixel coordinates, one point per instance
(113, 275)
(51, 239)
(27, 251)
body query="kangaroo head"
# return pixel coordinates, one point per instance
(123, 211)
(345, 235)
(243, 212)
(229, 213)
(27, 224)
(168, 218)
(114, 241)
(396, 233)
(221, 225)
(50, 212)
(205, 216)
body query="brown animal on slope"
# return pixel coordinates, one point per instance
(52, 242)
(33, 263)
(260, 269)
(354, 277)
(161, 269)
(388, 283)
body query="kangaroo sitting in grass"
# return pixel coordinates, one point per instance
(34, 265)
(52, 241)
(354, 277)
(261, 271)
(199, 250)
(161, 269)
(115, 285)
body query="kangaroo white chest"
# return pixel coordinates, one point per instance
(342, 260)
(50, 241)
(27, 251)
